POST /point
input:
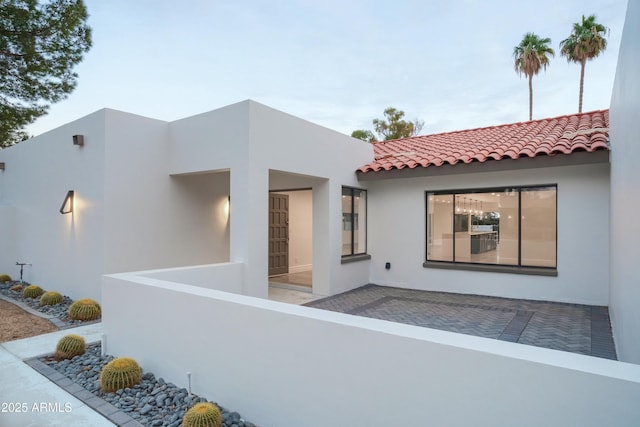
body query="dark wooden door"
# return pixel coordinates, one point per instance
(278, 234)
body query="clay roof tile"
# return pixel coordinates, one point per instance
(565, 134)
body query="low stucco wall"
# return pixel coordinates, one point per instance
(226, 276)
(286, 365)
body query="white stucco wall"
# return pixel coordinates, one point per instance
(286, 143)
(67, 251)
(625, 192)
(397, 234)
(152, 194)
(136, 189)
(152, 219)
(201, 217)
(130, 213)
(223, 276)
(286, 365)
(251, 140)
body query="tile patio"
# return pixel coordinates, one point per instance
(575, 328)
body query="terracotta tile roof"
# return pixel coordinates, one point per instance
(546, 137)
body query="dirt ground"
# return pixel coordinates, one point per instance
(15, 323)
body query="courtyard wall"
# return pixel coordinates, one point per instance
(286, 365)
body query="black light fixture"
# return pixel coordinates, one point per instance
(67, 204)
(78, 140)
(1, 166)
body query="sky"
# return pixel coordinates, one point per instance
(337, 63)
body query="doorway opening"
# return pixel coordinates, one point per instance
(290, 239)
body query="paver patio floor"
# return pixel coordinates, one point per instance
(576, 328)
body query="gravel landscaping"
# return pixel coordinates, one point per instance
(59, 311)
(152, 402)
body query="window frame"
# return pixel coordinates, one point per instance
(477, 266)
(354, 255)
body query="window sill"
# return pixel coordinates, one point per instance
(534, 271)
(354, 258)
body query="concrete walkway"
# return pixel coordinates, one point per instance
(575, 328)
(45, 404)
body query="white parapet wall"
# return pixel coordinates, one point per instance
(285, 365)
(225, 276)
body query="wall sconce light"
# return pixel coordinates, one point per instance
(1, 166)
(67, 204)
(78, 140)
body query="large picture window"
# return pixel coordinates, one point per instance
(514, 226)
(354, 221)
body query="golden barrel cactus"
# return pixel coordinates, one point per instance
(69, 346)
(202, 415)
(51, 298)
(120, 373)
(32, 291)
(85, 309)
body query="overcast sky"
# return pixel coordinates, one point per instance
(338, 63)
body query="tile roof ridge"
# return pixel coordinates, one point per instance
(584, 113)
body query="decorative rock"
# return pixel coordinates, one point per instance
(146, 409)
(160, 399)
(177, 400)
(59, 311)
(151, 403)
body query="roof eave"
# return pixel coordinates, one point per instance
(542, 161)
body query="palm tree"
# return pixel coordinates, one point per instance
(587, 41)
(531, 55)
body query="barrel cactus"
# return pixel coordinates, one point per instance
(69, 346)
(32, 291)
(120, 373)
(5, 278)
(203, 414)
(85, 309)
(17, 288)
(51, 298)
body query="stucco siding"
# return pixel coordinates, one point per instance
(153, 219)
(625, 191)
(397, 234)
(67, 251)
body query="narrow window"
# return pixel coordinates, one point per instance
(538, 219)
(440, 208)
(354, 221)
